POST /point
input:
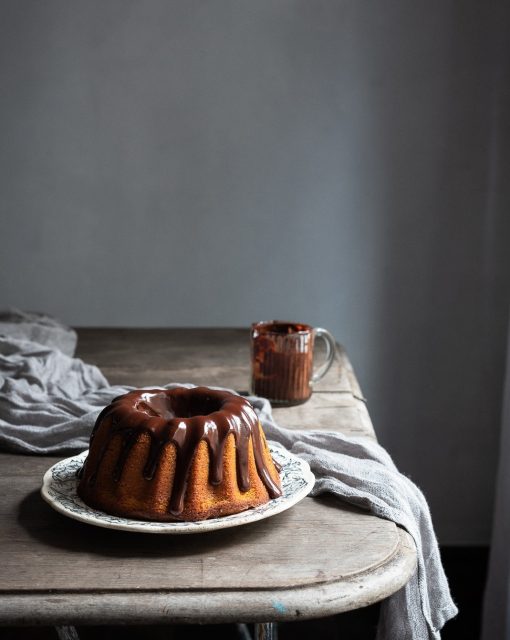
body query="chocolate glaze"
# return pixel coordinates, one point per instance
(184, 417)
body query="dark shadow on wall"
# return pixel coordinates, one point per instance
(435, 390)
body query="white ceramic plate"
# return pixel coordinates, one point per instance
(60, 482)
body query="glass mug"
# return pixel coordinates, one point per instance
(282, 360)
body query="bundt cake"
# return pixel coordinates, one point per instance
(178, 454)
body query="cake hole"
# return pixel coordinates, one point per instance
(184, 405)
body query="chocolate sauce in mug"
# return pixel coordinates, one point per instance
(282, 360)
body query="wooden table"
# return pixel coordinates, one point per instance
(319, 558)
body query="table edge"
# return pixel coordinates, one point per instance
(197, 607)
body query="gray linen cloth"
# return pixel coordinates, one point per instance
(49, 402)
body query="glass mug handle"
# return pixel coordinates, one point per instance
(330, 353)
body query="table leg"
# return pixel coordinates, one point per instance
(263, 631)
(243, 632)
(67, 632)
(266, 631)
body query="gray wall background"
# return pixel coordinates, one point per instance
(167, 163)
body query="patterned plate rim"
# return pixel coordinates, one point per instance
(60, 482)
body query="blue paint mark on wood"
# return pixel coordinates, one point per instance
(279, 606)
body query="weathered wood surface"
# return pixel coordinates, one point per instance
(320, 557)
(270, 554)
(144, 357)
(149, 607)
(160, 356)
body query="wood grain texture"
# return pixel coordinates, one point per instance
(218, 606)
(221, 357)
(259, 555)
(213, 356)
(328, 411)
(320, 557)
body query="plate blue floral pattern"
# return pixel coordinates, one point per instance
(61, 480)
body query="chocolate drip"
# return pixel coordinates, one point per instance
(130, 437)
(184, 417)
